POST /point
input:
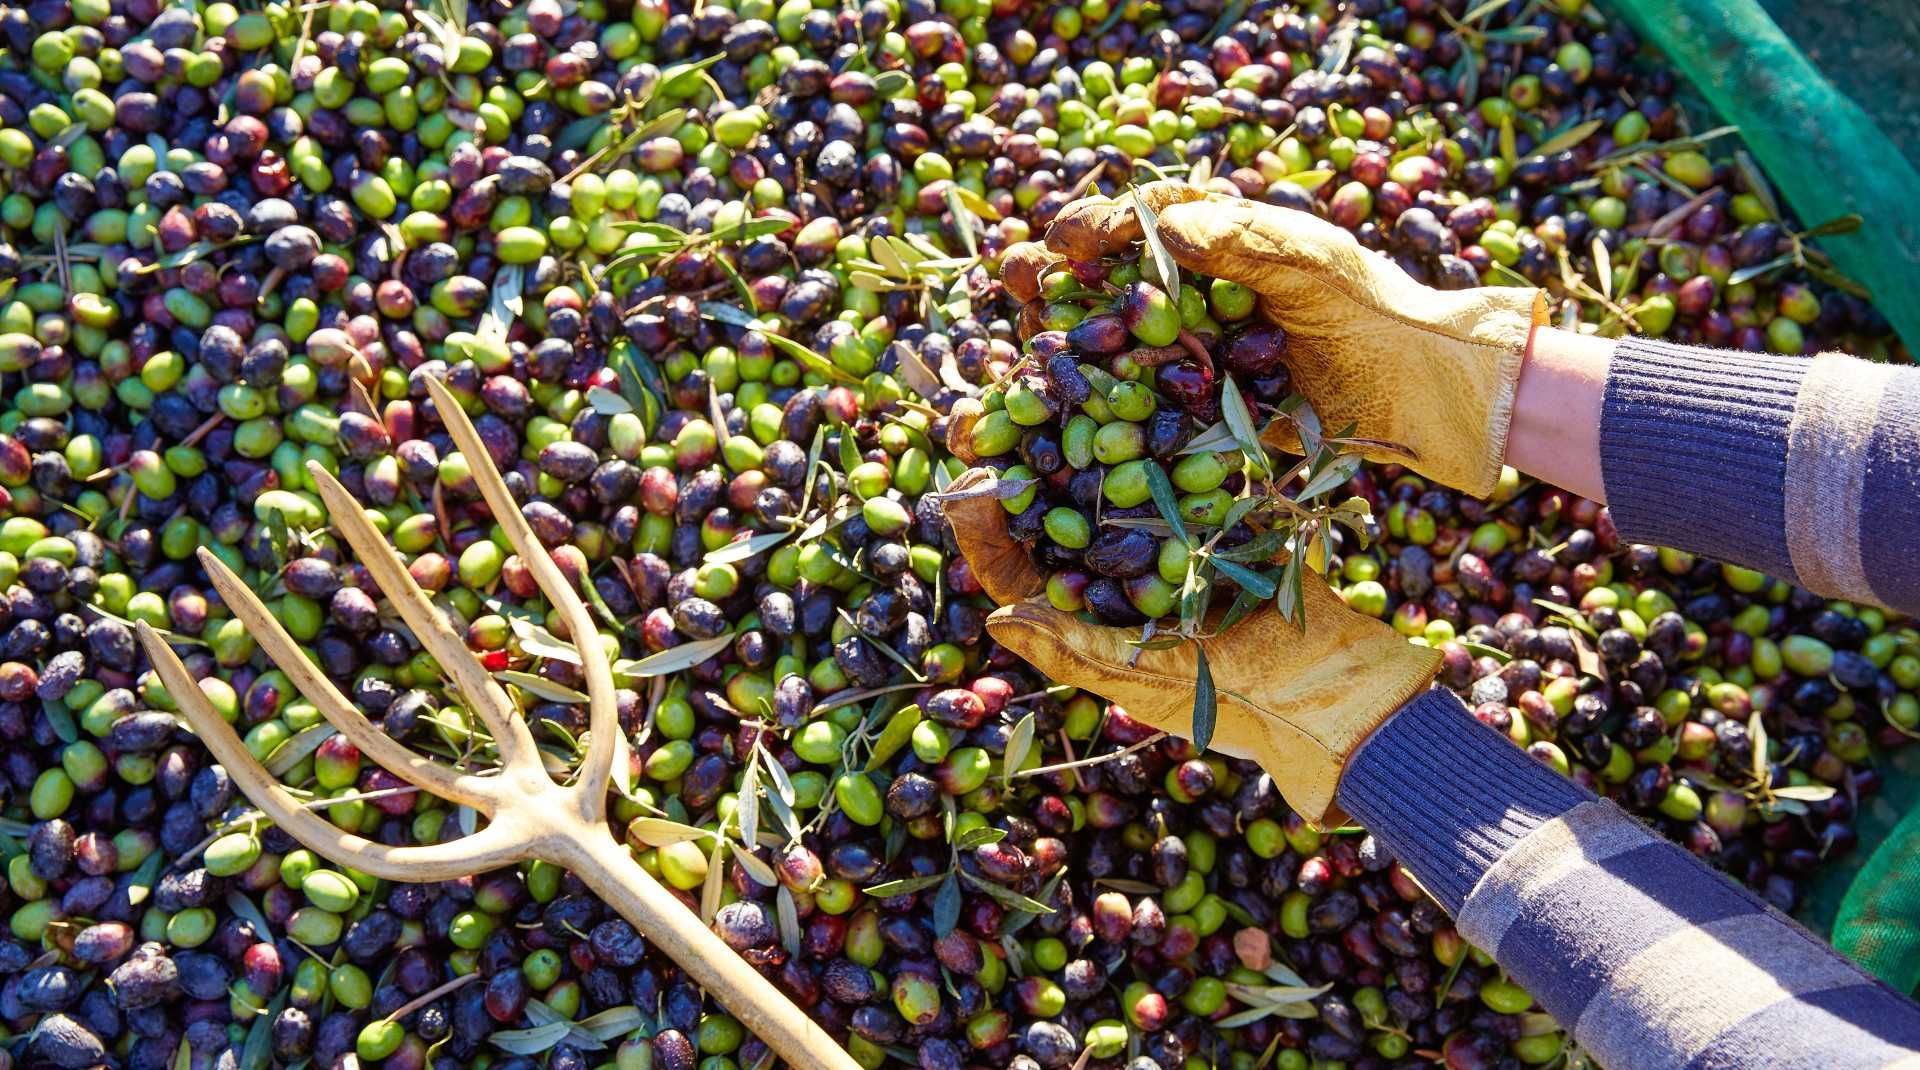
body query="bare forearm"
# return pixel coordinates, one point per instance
(1556, 414)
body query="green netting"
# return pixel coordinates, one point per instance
(1823, 152)
(1879, 921)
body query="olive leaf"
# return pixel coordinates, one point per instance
(1261, 586)
(891, 83)
(1509, 151)
(1005, 896)
(946, 906)
(974, 203)
(850, 458)
(140, 885)
(746, 809)
(905, 886)
(257, 1052)
(242, 907)
(745, 549)
(673, 659)
(1805, 792)
(659, 832)
(530, 1041)
(963, 220)
(1757, 739)
(538, 642)
(1239, 420)
(1205, 702)
(1214, 439)
(1289, 594)
(1165, 267)
(716, 883)
(1163, 499)
(1021, 921)
(613, 1022)
(1244, 603)
(1336, 473)
(761, 873)
(541, 686)
(607, 403)
(979, 836)
(1019, 745)
(295, 750)
(1568, 138)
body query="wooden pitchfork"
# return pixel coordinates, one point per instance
(529, 815)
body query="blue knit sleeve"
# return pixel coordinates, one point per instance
(1803, 468)
(1647, 956)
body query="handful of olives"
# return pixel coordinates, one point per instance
(1128, 442)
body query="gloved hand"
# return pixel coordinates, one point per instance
(1430, 370)
(1298, 702)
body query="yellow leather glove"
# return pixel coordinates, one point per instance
(1298, 702)
(1429, 370)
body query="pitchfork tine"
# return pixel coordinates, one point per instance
(495, 846)
(603, 720)
(422, 772)
(430, 626)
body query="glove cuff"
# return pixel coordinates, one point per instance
(1501, 335)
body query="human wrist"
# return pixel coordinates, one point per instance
(1555, 433)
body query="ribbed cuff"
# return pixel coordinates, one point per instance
(1448, 795)
(1693, 449)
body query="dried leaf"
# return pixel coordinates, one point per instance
(1846, 224)
(1756, 182)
